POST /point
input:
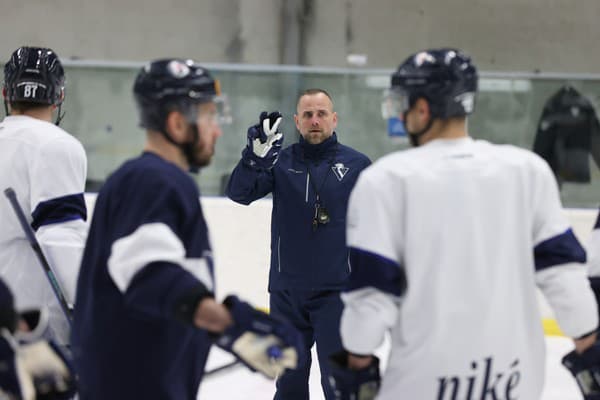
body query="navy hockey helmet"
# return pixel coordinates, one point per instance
(34, 75)
(167, 85)
(446, 78)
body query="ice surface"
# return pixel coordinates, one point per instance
(238, 383)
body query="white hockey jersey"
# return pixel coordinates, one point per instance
(46, 167)
(448, 242)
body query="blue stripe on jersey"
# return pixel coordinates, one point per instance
(59, 209)
(560, 249)
(597, 224)
(372, 270)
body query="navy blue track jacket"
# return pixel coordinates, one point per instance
(147, 249)
(303, 258)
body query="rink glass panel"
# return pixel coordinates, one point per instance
(101, 113)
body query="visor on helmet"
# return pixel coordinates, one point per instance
(395, 103)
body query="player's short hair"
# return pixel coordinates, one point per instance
(23, 106)
(313, 91)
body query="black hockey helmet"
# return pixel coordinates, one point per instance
(166, 85)
(445, 77)
(34, 75)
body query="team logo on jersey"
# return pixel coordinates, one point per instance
(339, 170)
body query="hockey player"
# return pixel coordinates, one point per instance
(311, 181)
(36, 369)
(46, 167)
(145, 315)
(448, 242)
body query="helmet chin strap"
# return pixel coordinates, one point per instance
(60, 115)
(188, 149)
(415, 136)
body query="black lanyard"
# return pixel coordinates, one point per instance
(321, 215)
(315, 187)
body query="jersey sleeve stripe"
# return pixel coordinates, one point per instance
(151, 243)
(59, 209)
(372, 270)
(558, 250)
(597, 224)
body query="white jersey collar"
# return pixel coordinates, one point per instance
(448, 142)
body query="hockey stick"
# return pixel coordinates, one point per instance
(217, 370)
(12, 197)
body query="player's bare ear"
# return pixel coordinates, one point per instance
(422, 107)
(176, 126)
(297, 121)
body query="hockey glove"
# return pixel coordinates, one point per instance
(33, 326)
(349, 384)
(261, 342)
(264, 141)
(34, 371)
(585, 368)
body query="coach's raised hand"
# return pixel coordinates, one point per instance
(264, 141)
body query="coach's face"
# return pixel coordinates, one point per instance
(315, 118)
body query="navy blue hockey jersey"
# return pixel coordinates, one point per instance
(303, 257)
(147, 248)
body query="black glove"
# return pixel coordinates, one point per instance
(349, 384)
(585, 368)
(260, 341)
(37, 370)
(37, 323)
(264, 141)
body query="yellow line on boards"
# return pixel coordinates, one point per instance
(551, 327)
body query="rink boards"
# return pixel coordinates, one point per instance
(240, 237)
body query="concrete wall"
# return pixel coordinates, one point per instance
(137, 30)
(547, 35)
